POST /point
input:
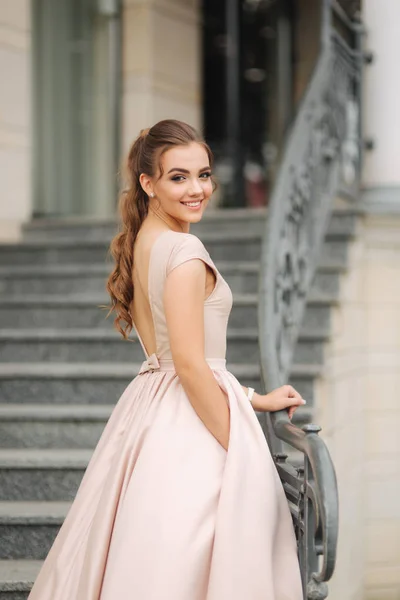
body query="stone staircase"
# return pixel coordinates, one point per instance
(63, 367)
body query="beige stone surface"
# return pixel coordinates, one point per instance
(173, 5)
(15, 134)
(383, 576)
(382, 391)
(358, 405)
(382, 433)
(347, 582)
(383, 542)
(381, 594)
(137, 32)
(384, 538)
(176, 46)
(136, 113)
(15, 15)
(161, 64)
(378, 332)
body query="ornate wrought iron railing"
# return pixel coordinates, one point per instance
(321, 161)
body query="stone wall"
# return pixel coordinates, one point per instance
(161, 78)
(161, 64)
(15, 99)
(359, 408)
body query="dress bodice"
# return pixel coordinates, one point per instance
(170, 250)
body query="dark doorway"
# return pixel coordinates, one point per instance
(248, 93)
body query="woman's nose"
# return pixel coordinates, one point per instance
(195, 188)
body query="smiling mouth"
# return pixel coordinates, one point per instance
(192, 204)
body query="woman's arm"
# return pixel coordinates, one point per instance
(283, 397)
(184, 293)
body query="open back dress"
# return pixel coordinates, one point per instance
(163, 511)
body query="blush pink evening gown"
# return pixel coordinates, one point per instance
(163, 512)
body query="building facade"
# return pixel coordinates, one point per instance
(90, 74)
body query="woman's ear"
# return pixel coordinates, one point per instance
(146, 183)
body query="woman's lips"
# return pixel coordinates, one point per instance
(195, 204)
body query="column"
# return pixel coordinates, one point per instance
(161, 64)
(381, 176)
(380, 293)
(15, 135)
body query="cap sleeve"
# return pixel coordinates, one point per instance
(187, 249)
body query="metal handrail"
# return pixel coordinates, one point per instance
(312, 172)
(319, 487)
(341, 14)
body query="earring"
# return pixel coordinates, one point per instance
(152, 195)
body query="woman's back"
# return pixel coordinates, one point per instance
(163, 253)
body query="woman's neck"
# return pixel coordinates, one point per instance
(156, 218)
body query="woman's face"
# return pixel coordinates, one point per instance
(184, 188)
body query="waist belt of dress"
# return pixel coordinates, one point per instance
(167, 364)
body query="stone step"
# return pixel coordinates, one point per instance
(101, 345)
(214, 220)
(54, 474)
(68, 280)
(248, 219)
(54, 412)
(51, 474)
(66, 426)
(85, 311)
(17, 578)
(243, 246)
(77, 383)
(222, 246)
(343, 221)
(52, 425)
(310, 349)
(72, 279)
(28, 529)
(326, 280)
(103, 383)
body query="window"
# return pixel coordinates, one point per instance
(76, 90)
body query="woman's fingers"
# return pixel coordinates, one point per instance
(294, 400)
(285, 397)
(294, 396)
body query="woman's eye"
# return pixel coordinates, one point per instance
(178, 178)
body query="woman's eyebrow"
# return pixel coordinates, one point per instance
(186, 171)
(178, 169)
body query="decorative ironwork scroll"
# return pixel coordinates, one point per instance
(321, 161)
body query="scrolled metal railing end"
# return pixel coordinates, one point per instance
(319, 502)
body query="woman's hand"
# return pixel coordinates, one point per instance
(283, 397)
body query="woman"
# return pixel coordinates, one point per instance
(181, 499)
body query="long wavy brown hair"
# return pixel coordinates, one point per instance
(144, 157)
